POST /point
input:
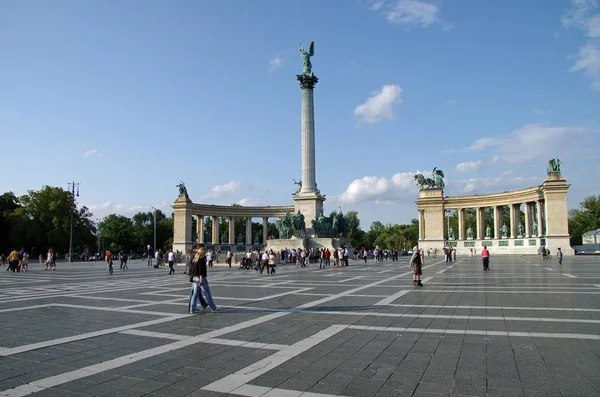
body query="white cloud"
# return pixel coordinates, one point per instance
(493, 185)
(533, 142)
(540, 112)
(222, 190)
(275, 63)
(380, 105)
(585, 16)
(93, 153)
(469, 166)
(249, 202)
(380, 190)
(412, 13)
(451, 102)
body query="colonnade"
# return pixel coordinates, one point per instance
(533, 214)
(231, 240)
(544, 210)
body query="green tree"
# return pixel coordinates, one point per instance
(585, 219)
(117, 231)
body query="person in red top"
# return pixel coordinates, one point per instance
(485, 257)
(327, 255)
(109, 260)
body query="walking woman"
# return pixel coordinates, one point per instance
(416, 262)
(199, 278)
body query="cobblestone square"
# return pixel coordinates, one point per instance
(525, 328)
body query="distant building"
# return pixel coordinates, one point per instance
(591, 237)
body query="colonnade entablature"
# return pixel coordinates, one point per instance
(520, 221)
(184, 212)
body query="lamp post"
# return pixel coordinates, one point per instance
(98, 234)
(154, 217)
(72, 186)
(447, 212)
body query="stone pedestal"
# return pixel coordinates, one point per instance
(557, 236)
(431, 202)
(311, 206)
(182, 224)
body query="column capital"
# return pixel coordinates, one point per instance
(307, 81)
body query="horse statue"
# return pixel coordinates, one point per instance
(299, 225)
(436, 182)
(554, 165)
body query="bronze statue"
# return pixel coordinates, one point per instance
(182, 189)
(554, 165)
(436, 182)
(307, 70)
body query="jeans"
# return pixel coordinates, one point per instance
(195, 296)
(149, 260)
(207, 294)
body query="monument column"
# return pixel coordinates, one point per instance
(249, 230)
(265, 229)
(539, 218)
(555, 189)
(231, 221)
(182, 223)
(421, 225)
(308, 199)
(215, 230)
(527, 209)
(479, 223)
(512, 213)
(200, 228)
(496, 223)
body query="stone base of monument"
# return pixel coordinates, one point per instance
(307, 243)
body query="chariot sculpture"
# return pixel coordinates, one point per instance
(435, 182)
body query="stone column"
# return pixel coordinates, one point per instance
(539, 218)
(479, 223)
(248, 230)
(307, 83)
(496, 223)
(215, 230)
(182, 224)
(431, 203)
(200, 228)
(421, 225)
(527, 209)
(556, 213)
(512, 211)
(461, 224)
(231, 224)
(265, 229)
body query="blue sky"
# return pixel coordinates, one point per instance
(129, 98)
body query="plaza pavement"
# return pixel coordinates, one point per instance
(526, 328)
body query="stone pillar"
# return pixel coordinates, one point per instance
(496, 222)
(265, 229)
(539, 218)
(248, 230)
(231, 224)
(421, 225)
(512, 211)
(431, 203)
(200, 228)
(182, 224)
(527, 209)
(215, 230)
(479, 223)
(308, 134)
(557, 213)
(461, 224)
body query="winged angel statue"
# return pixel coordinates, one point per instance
(306, 56)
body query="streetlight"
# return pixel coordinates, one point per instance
(154, 228)
(98, 234)
(72, 186)
(447, 212)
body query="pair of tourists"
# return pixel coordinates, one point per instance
(199, 280)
